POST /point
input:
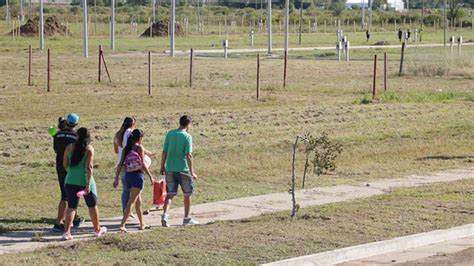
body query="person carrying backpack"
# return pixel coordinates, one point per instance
(79, 162)
(133, 161)
(120, 141)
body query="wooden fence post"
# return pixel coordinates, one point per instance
(191, 68)
(100, 63)
(49, 70)
(375, 77)
(400, 73)
(258, 76)
(385, 71)
(29, 65)
(284, 69)
(149, 73)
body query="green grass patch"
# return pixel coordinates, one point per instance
(277, 236)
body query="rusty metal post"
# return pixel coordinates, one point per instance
(49, 70)
(258, 76)
(385, 71)
(191, 68)
(29, 65)
(149, 73)
(284, 69)
(100, 63)
(375, 77)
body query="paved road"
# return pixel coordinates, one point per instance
(240, 208)
(264, 50)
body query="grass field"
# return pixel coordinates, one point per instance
(239, 37)
(277, 236)
(422, 123)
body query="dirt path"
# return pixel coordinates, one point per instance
(240, 208)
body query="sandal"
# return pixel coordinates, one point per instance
(123, 230)
(144, 227)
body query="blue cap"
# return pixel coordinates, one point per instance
(72, 119)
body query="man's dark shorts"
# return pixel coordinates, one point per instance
(173, 179)
(61, 177)
(73, 200)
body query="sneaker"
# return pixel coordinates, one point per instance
(67, 237)
(189, 221)
(58, 228)
(164, 220)
(77, 223)
(101, 232)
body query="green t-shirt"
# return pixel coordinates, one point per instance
(178, 143)
(76, 175)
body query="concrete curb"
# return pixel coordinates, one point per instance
(380, 247)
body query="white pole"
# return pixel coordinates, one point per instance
(444, 24)
(172, 26)
(41, 29)
(22, 16)
(112, 25)
(287, 14)
(154, 11)
(85, 33)
(363, 15)
(269, 24)
(7, 17)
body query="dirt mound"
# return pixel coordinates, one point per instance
(52, 26)
(160, 29)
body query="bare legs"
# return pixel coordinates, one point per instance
(68, 223)
(62, 208)
(187, 205)
(93, 213)
(135, 199)
(166, 207)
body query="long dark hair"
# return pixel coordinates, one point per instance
(132, 141)
(128, 122)
(83, 140)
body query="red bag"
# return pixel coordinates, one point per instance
(159, 193)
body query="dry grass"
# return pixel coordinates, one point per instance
(242, 147)
(277, 236)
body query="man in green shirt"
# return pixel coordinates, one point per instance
(177, 163)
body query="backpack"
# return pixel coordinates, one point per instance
(133, 162)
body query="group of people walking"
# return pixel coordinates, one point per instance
(75, 166)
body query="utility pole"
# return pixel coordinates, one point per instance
(301, 18)
(154, 11)
(370, 15)
(41, 33)
(269, 25)
(22, 16)
(172, 26)
(7, 17)
(363, 14)
(112, 25)
(29, 9)
(95, 16)
(444, 25)
(85, 31)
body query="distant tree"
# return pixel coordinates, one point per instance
(377, 4)
(138, 2)
(355, 7)
(454, 9)
(338, 6)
